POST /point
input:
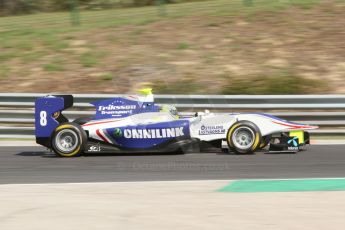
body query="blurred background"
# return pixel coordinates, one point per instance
(174, 46)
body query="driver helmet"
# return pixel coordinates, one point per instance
(170, 109)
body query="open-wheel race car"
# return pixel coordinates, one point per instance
(131, 124)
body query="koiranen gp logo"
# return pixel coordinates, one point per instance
(153, 133)
(211, 130)
(117, 132)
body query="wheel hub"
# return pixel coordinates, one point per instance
(243, 138)
(66, 141)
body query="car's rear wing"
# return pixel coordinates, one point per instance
(48, 115)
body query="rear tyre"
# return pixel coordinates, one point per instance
(69, 140)
(244, 137)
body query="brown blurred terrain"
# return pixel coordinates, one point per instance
(209, 47)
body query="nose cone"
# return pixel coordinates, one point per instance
(294, 126)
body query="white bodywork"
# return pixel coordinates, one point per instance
(267, 124)
(205, 126)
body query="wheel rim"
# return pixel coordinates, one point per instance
(66, 141)
(243, 138)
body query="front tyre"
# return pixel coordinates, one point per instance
(244, 137)
(69, 140)
(265, 141)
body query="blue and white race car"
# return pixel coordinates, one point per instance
(132, 124)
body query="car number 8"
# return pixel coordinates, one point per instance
(43, 118)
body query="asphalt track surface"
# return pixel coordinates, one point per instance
(36, 165)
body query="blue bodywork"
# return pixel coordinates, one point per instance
(118, 107)
(149, 135)
(45, 107)
(121, 107)
(141, 136)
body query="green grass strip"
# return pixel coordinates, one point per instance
(296, 185)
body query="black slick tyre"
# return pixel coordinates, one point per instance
(265, 141)
(243, 137)
(69, 140)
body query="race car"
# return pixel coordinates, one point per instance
(132, 124)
